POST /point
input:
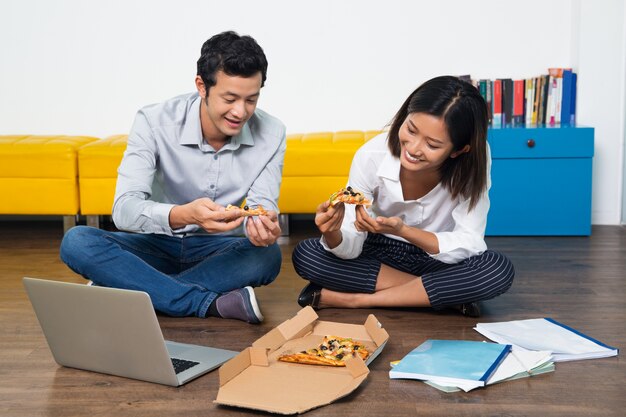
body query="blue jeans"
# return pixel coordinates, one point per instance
(182, 275)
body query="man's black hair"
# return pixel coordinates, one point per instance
(235, 55)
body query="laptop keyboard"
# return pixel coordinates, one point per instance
(181, 365)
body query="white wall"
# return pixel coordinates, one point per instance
(81, 67)
(601, 100)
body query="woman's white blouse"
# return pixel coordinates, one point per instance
(376, 172)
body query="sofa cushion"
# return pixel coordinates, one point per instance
(97, 167)
(39, 174)
(316, 165)
(323, 154)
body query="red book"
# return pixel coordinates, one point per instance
(497, 103)
(518, 102)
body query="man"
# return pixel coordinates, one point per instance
(187, 159)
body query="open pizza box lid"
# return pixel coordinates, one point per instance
(256, 379)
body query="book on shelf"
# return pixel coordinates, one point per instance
(529, 102)
(507, 102)
(540, 96)
(496, 104)
(482, 89)
(548, 99)
(572, 115)
(551, 101)
(537, 100)
(490, 100)
(569, 97)
(454, 362)
(546, 334)
(518, 103)
(558, 100)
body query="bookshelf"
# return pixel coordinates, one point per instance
(541, 181)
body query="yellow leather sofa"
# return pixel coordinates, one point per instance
(316, 164)
(97, 167)
(39, 175)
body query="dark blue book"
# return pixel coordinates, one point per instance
(572, 114)
(566, 103)
(451, 362)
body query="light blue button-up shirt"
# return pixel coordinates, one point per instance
(167, 162)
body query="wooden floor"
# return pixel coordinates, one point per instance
(580, 281)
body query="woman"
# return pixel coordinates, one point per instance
(421, 243)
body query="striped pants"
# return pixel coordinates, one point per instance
(477, 278)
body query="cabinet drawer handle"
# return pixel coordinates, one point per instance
(530, 143)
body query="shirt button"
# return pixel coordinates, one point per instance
(212, 186)
(215, 157)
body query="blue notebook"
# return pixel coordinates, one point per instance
(451, 361)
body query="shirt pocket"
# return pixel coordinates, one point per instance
(413, 214)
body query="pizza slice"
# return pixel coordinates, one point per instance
(248, 211)
(349, 195)
(333, 351)
(310, 357)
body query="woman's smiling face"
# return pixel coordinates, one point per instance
(424, 142)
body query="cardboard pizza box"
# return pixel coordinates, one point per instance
(256, 379)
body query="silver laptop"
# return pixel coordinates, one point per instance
(115, 332)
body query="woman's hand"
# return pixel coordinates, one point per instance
(328, 220)
(395, 226)
(388, 225)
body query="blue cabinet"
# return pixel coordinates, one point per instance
(540, 181)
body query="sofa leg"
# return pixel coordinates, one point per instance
(68, 223)
(283, 222)
(93, 221)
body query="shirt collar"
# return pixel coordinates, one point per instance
(192, 131)
(389, 168)
(244, 137)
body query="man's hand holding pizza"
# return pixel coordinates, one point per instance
(263, 230)
(205, 213)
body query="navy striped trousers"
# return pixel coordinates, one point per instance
(477, 278)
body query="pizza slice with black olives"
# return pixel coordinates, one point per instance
(349, 195)
(333, 351)
(248, 211)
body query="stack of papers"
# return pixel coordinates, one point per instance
(565, 343)
(452, 362)
(523, 348)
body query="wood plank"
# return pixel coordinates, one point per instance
(576, 280)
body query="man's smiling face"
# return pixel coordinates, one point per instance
(229, 105)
